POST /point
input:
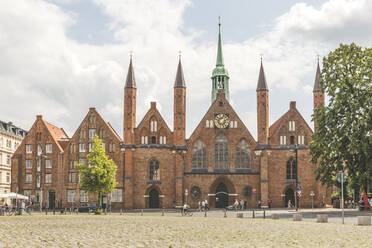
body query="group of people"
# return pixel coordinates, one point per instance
(240, 205)
(203, 205)
(259, 203)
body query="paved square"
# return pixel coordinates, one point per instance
(170, 231)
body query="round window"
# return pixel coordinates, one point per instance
(195, 192)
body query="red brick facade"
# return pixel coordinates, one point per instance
(158, 167)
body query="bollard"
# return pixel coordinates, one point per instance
(121, 211)
(253, 215)
(54, 211)
(205, 213)
(65, 212)
(322, 218)
(264, 216)
(46, 211)
(297, 217)
(162, 212)
(141, 212)
(225, 215)
(364, 220)
(275, 216)
(239, 215)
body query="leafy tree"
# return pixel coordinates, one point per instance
(343, 140)
(99, 174)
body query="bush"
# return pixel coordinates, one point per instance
(98, 211)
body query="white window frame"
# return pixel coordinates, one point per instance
(28, 178)
(301, 139)
(292, 125)
(28, 164)
(39, 150)
(211, 124)
(283, 140)
(7, 159)
(38, 165)
(90, 147)
(82, 147)
(28, 149)
(84, 196)
(82, 161)
(235, 124)
(48, 164)
(117, 195)
(72, 177)
(48, 148)
(207, 123)
(70, 195)
(48, 178)
(92, 133)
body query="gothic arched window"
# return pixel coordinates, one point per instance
(243, 155)
(199, 155)
(221, 153)
(154, 170)
(291, 169)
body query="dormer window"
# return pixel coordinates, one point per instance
(292, 125)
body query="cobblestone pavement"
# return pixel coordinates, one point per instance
(134, 230)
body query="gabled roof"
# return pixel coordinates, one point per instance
(275, 126)
(154, 111)
(261, 84)
(56, 133)
(107, 124)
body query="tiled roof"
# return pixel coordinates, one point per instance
(11, 129)
(57, 134)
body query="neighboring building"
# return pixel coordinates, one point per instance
(157, 167)
(10, 138)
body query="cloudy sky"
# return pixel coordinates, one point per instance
(60, 57)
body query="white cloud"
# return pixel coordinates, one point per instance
(47, 72)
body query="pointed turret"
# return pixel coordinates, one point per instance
(261, 84)
(180, 80)
(131, 81)
(318, 94)
(220, 75)
(130, 94)
(179, 107)
(316, 82)
(262, 108)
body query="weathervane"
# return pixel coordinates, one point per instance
(179, 54)
(131, 53)
(261, 56)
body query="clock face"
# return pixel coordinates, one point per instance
(221, 121)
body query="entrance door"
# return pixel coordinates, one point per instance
(222, 196)
(289, 196)
(52, 199)
(154, 199)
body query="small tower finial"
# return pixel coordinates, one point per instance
(261, 56)
(317, 57)
(131, 54)
(179, 54)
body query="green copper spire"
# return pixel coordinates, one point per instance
(220, 75)
(219, 61)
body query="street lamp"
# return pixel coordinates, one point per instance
(297, 199)
(312, 199)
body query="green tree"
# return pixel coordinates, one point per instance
(343, 140)
(99, 174)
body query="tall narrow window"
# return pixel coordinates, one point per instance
(92, 133)
(291, 140)
(39, 150)
(48, 148)
(292, 125)
(301, 139)
(283, 140)
(291, 169)
(28, 149)
(221, 153)
(199, 155)
(28, 164)
(242, 155)
(48, 164)
(154, 170)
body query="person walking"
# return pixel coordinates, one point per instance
(236, 205)
(259, 204)
(269, 203)
(241, 204)
(199, 206)
(206, 204)
(203, 205)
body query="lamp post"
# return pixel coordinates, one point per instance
(312, 199)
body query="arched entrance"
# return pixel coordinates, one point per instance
(154, 199)
(222, 196)
(289, 196)
(51, 199)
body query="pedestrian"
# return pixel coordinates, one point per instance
(259, 204)
(269, 203)
(199, 206)
(206, 204)
(241, 204)
(236, 205)
(289, 204)
(245, 204)
(203, 205)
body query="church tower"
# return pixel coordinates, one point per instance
(262, 108)
(220, 76)
(318, 93)
(130, 92)
(179, 107)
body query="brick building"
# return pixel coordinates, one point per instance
(158, 167)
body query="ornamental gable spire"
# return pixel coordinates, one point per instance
(130, 81)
